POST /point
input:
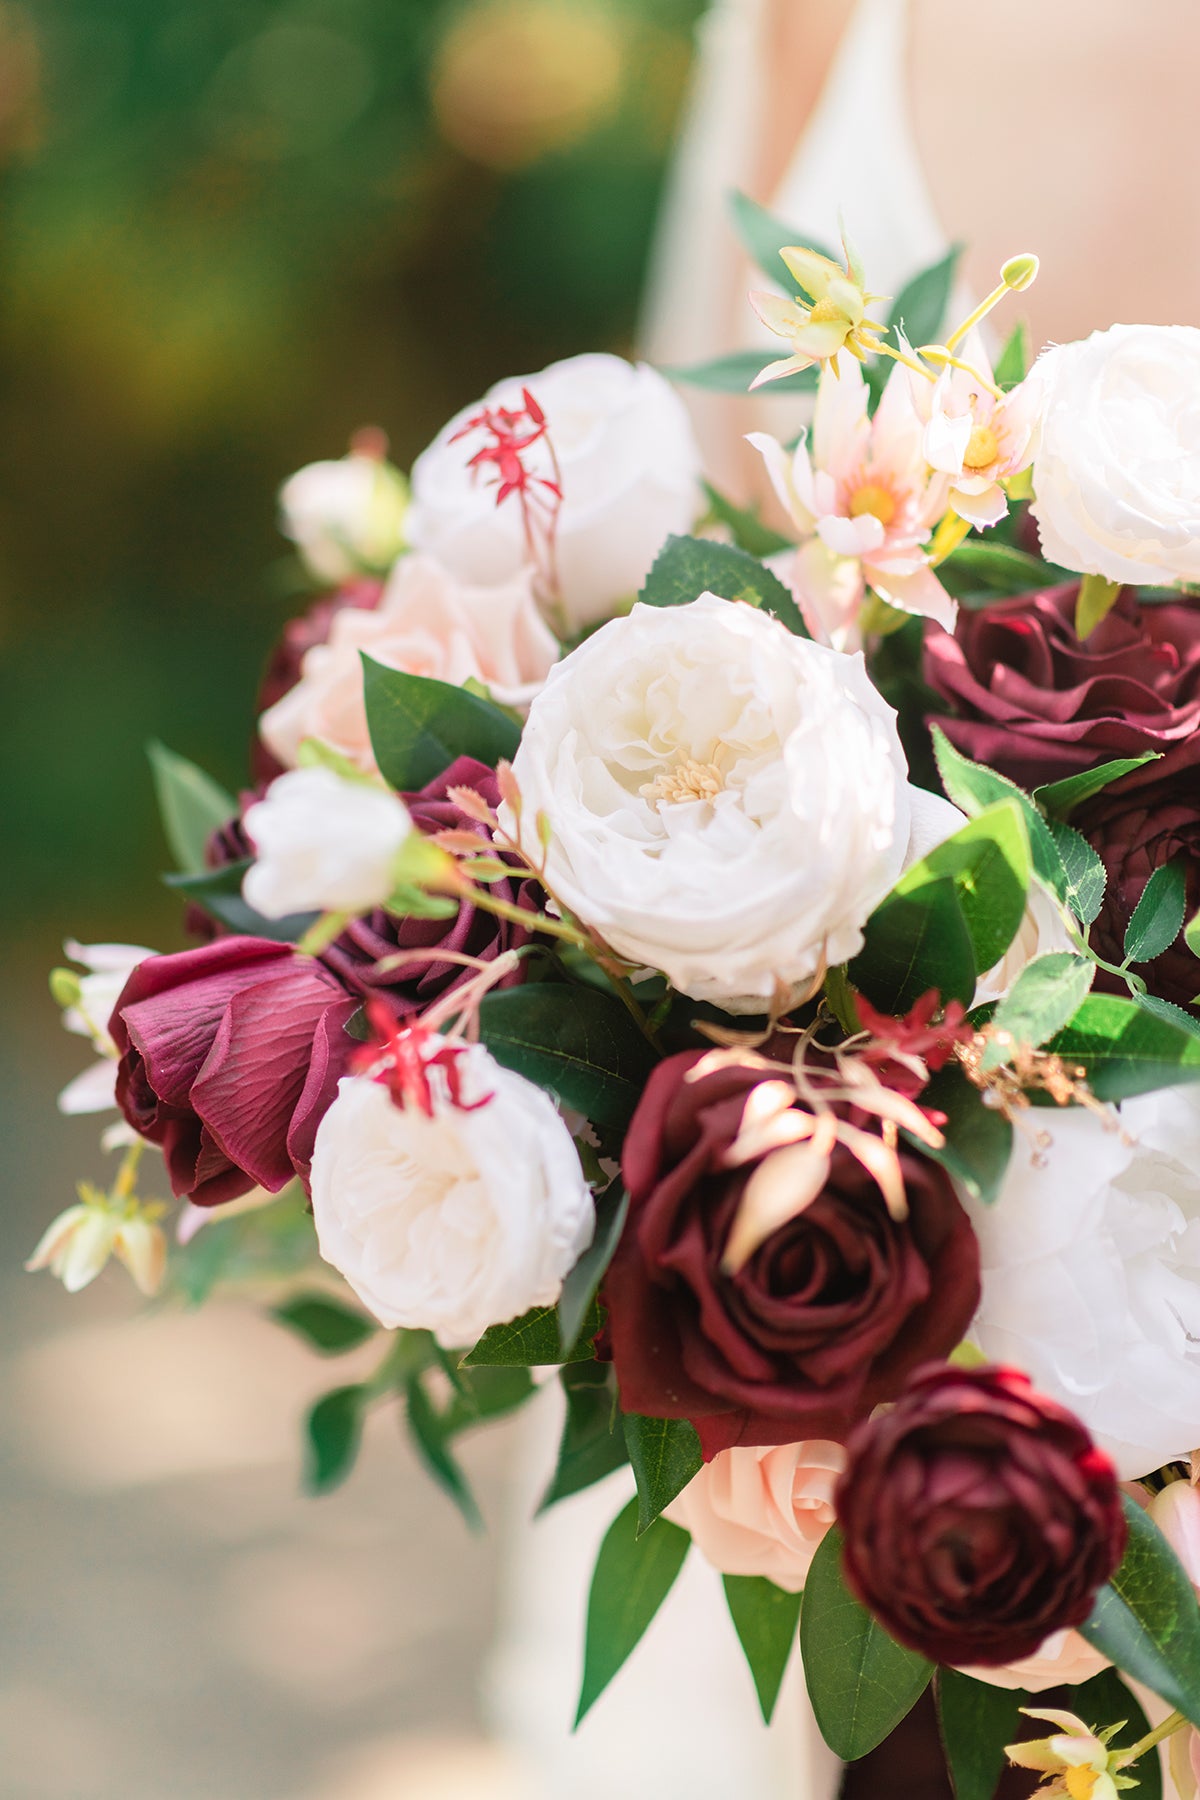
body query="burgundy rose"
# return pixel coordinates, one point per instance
(978, 1517)
(824, 1320)
(283, 665)
(230, 1055)
(1027, 697)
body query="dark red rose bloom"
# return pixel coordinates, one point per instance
(978, 1516)
(822, 1322)
(1028, 698)
(230, 1055)
(283, 665)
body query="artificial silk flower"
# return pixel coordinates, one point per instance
(864, 503)
(87, 1002)
(762, 1509)
(972, 437)
(346, 518)
(76, 1246)
(323, 843)
(1074, 1762)
(831, 317)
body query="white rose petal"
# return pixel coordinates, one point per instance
(1117, 473)
(452, 1223)
(630, 474)
(345, 517)
(1091, 1275)
(323, 843)
(727, 803)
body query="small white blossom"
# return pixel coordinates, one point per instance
(88, 1001)
(323, 843)
(345, 517)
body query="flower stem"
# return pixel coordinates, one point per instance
(1171, 1724)
(981, 312)
(909, 362)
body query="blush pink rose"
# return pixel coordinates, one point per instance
(426, 623)
(1063, 1660)
(1176, 1512)
(763, 1509)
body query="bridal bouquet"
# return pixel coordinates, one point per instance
(744, 973)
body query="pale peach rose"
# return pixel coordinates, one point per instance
(762, 1509)
(1183, 1763)
(426, 623)
(1176, 1512)
(1062, 1660)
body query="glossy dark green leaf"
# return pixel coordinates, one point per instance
(1045, 996)
(431, 1441)
(326, 1324)
(632, 1578)
(749, 532)
(578, 1042)
(860, 1681)
(919, 309)
(988, 861)
(1158, 916)
(579, 1288)
(977, 1721)
(665, 1454)
(733, 374)
(914, 942)
(1146, 1619)
(418, 726)
(1126, 1049)
(191, 804)
(687, 567)
(979, 1139)
(765, 1619)
(1105, 1700)
(592, 1443)
(763, 236)
(219, 892)
(1060, 798)
(531, 1341)
(484, 1394)
(334, 1428)
(973, 787)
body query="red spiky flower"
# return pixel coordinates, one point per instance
(517, 439)
(402, 1056)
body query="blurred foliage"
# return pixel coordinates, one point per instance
(234, 231)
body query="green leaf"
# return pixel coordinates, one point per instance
(1013, 361)
(665, 1454)
(1097, 597)
(764, 236)
(765, 1619)
(1045, 996)
(429, 1437)
(1126, 1049)
(578, 1042)
(219, 892)
(192, 805)
(334, 1429)
(633, 1577)
(592, 1445)
(687, 567)
(1158, 916)
(979, 1138)
(1060, 798)
(1191, 935)
(860, 1681)
(749, 532)
(997, 568)
(1146, 1619)
(973, 787)
(579, 1289)
(1166, 1009)
(484, 1394)
(1086, 877)
(532, 1340)
(418, 726)
(920, 308)
(914, 942)
(1105, 1700)
(326, 1324)
(977, 1721)
(733, 374)
(989, 863)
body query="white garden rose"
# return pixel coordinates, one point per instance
(726, 802)
(346, 518)
(323, 843)
(1091, 1274)
(1117, 473)
(630, 475)
(452, 1223)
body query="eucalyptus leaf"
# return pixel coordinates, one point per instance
(765, 1618)
(419, 726)
(687, 567)
(578, 1042)
(665, 1454)
(977, 1721)
(633, 1576)
(1158, 916)
(191, 804)
(1146, 1619)
(1060, 798)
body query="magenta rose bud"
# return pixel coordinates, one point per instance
(978, 1517)
(230, 1055)
(817, 1325)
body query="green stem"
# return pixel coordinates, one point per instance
(1171, 1724)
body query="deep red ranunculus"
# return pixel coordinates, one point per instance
(230, 1055)
(822, 1322)
(977, 1516)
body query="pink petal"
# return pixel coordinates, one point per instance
(982, 509)
(921, 593)
(851, 537)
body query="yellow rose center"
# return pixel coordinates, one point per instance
(688, 780)
(873, 499)
(824, 311)
(982, 449)
(1080, 1782)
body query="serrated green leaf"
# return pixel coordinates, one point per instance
(1158, 916)
(1146, 1619)
(532, 1341)
(577, 1042)
(219, 892)
(765, 1618)
(979, 1138)
(914, 942)
(1191, 935)
(1166, 1009)
(592, 1443)
(665, 1454)
(1105, 1700)
(860, 1681)
(325, 1324)
(977, 1721)
(749, 532)
(334, 1428)
(1045, 996)
(1086, 877)
(920, 308)
(191, 804)
(687, 567)
(419, 726)
(763, 236)
(1013, 361)
(430, 1440)
(1126, 1049)
(632, 1578)
(1060, 798)
(579, 1288)
(733, 374)
(973, 787)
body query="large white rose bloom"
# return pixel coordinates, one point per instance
(630, 471)
(452, 1223)
(727, 803)
(1117, 473)
(1091, 1274)
(322, 843)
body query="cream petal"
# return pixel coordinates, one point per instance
(851, 537)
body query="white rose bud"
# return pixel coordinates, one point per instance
(452, 1222)
(1117, 474)
(630, 475)
(323, 843)
(1091, 1274)
(726, 802)
(346, 517)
